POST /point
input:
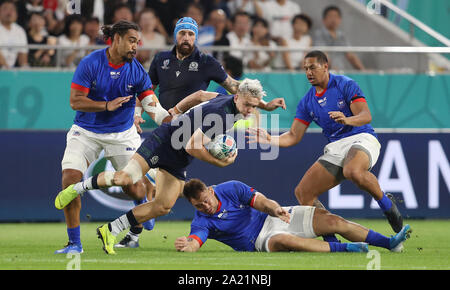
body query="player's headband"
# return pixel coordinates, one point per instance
(186, 23)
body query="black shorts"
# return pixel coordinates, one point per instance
(159, 154)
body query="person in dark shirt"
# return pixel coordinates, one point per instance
(185, 69)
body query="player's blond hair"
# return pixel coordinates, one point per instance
(251, 87)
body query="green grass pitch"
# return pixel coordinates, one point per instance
(31, 246)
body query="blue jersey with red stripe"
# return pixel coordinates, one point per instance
(340, 93)
(236, 223)
(104, 81)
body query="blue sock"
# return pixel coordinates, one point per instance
(385, 203)
(330, 238)
(337, 247)
(376, 239)
(74, 235)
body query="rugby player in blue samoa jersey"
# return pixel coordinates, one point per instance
(338, 106)
(171, 147)
(244, 219)
(103, 94)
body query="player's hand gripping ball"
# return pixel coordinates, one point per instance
(222, 146)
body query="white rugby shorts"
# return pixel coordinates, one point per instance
(301, 225)
(84, 147)
(335, 152)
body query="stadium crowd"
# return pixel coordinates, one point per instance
(234, 23)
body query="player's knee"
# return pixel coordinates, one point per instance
(70, 176)
(353, 174)
(335, 223)
(162, 209)
(302, 197)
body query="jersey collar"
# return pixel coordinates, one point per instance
(330, 80)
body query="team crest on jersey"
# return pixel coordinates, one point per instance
(130, 87)
(223, 214)
(341, 104)
(193, 66)
(154, 159)
(322, 102)
(166, 64)
(115, 74)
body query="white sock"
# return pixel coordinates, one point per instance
(118, 225)
(83, 186)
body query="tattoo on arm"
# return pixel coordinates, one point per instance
(230, 85)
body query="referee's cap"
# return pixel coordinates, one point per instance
(185, 23)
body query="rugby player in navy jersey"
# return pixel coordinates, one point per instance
(244, 219)
(171, 147)
(103, 94)
(338, 106)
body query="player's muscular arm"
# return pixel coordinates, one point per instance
(287, 139)
(184, 244)
(231, 85)
(79, 101)
(195, 147)
(270, 207)
(361, 115)
(191, 101)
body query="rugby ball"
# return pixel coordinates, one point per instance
(222, 146)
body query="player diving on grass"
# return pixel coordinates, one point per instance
(103, 94)
(244, 219)
(171, 148)
(338, 106)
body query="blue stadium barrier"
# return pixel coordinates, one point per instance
(414, 166)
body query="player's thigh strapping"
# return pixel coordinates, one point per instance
(301, 225)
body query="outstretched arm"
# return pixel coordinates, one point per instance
(191, 101)
(287, 139)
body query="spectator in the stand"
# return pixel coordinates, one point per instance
(331, 35)
(239, 36)
(36, 35)
(261, 60)
(206, 33)
(122, 12)
(167, 11)
(116, 10)
(279, 14)
(301, 25)
(73, 37)
(92, 30)
(252, 7)
(11, 34)
(218, 19)
(25, 8)
(148, 21)
(93, 9)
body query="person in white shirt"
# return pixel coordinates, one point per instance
(11, 34)
(239, 37)
(279, 14)
(261, 60)
(301, 25)
(73, 37)
(147, 21)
